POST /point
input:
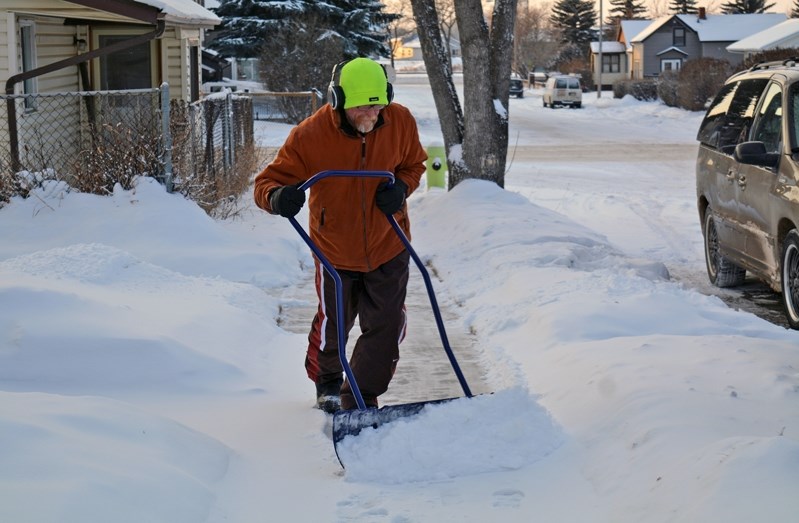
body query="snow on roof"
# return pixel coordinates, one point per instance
(785, 34)
(183, 12)
(631, 28)
(718, 28)
(672, 48)
(608, 47)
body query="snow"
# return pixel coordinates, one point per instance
(718, 28)
(144, 376)
(183, 11)
(782, 35)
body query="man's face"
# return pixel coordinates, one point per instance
(364, 117)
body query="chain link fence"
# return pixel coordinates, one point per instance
(94, 140)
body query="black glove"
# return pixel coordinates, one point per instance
(390, 199)
(287, 200)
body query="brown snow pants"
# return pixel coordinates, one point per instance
(377, 299)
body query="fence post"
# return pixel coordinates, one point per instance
(227, 132)
(167, 136)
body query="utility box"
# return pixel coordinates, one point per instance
(437, 167)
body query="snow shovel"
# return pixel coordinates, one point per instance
(352, 422)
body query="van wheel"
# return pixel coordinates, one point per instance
(790, 278)
(720, 271)
(578, 105)
(545, 103)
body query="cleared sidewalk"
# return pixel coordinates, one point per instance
(424, 372)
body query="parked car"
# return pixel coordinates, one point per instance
(516, 87)
(563, 90)
(747, 181)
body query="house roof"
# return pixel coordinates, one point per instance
(785, 34)
(177, 12)
(718, 28)
(183, 12)
(631, 28)
(672, 48)
(608, 47)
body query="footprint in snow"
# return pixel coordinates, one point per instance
(509, 497)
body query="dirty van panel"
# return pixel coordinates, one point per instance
(563, 90)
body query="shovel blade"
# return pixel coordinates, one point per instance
(352, 422)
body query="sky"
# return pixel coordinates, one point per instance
(148, 371)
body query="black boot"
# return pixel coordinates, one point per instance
(328, 395)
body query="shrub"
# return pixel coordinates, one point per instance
(644, 90)
(668, 83)
(700, 80)
(768, 56)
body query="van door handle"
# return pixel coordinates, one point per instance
(730, 176)
(742, 181)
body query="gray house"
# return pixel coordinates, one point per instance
(670, 41)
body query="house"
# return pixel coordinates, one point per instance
(616, 54)
(82, 80)
(784, 35)
(670, 41)
(85, 45)
(411, 49)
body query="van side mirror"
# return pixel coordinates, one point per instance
(754, 153)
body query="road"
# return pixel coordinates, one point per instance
(627, 174)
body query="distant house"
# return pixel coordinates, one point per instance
(669, 42)
(411, 49)
(51, 46)
(616, 54)
(784, 35)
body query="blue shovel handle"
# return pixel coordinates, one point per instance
(342, 349)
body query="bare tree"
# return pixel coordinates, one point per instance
(401, 26)
(476, 138)
(534, 42)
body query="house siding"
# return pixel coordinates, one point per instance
(54, 42)
(719, 50)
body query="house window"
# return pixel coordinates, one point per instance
(611, 63)
(27, 44)
(194, 72)
(670, 65)
(126, 69)
(679, 37)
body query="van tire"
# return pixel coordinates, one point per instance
(720, 271)
(790, 278)
(545, 102)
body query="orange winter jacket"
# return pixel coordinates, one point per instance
(344, 221)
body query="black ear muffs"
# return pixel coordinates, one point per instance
(335, 94)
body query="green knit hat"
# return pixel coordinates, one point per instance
(364, 83)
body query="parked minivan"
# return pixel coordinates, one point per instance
(747, 181)
(563, 90)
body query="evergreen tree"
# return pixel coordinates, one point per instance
(683, 7)
(247, 25)
(734, 7)
(627, 9)
(795, 9)
(575, 19)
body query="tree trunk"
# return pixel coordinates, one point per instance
(439, 73)
(476, 139)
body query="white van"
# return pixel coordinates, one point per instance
(563, 90)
